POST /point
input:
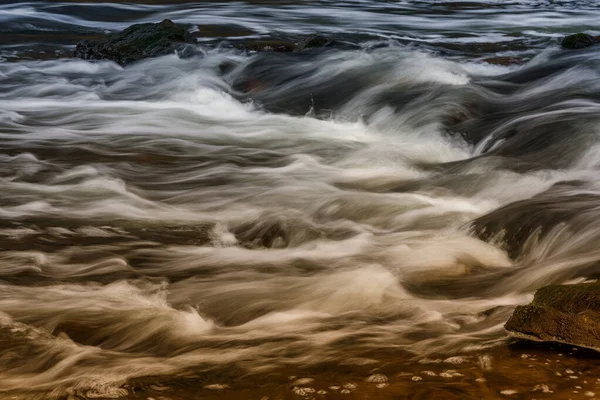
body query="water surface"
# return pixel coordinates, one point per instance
(235, 218)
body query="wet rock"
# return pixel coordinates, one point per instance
(456, 360)
(377, 378)
(313, 41)
(579, 41)
(450, 374)
(303, 382)
(560, 313)
(504, 61)
(303, 391)
(216, 386)
(136, 42)
(277, 46)
(542, 388)
(516, 223)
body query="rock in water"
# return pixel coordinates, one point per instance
(560, 313)
(313, 41)
(135, 43)
(579, 41)
(277, 46)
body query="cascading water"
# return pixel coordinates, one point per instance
(261, 212)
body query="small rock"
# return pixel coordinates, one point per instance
(456, 360)
(334, 387)
(303, 382)
(382, 385)
(416, 378)
(216, 386)
(579, 41)
(589, 394)
(377, 378)
(509, 392)
(345, 391)
(542, 388)
(303, 391)
(450, 374)
(322, 392)
(350, 386)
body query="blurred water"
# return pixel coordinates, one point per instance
(290, 209)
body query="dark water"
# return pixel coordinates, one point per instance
(239, 217)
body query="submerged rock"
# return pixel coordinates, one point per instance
(579, 41)
(560, 313)
(504, 61)
(136, 42)
(515, 224)
(313, 41)
(277, 46)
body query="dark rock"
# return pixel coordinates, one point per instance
(312, 41)
(315, 40)
(278, 46)
(516, 223)
(504, 61)
(136, 42)
(560, 313)
(579, 41)
(283, 46)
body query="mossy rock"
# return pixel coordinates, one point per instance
(560, 313)
(135, 43)
(579, 41)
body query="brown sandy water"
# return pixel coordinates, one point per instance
(515, 371)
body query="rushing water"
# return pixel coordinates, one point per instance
(263, 211)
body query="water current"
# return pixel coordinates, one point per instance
(377, 207)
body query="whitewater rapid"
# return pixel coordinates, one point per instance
(266, 210)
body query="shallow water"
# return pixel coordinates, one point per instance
(339, 211)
